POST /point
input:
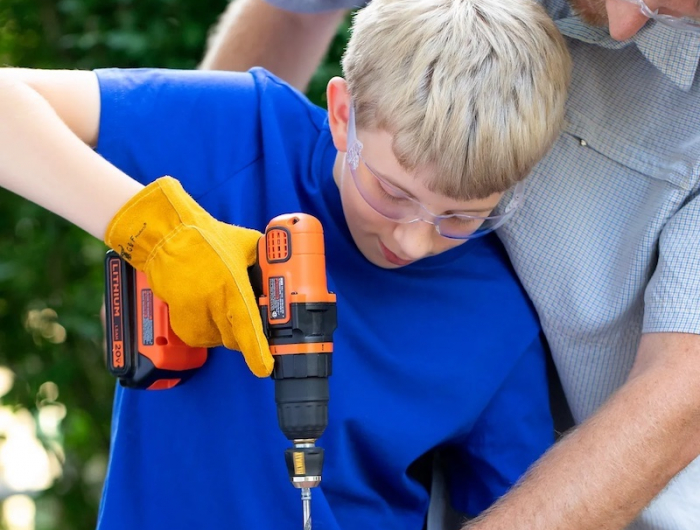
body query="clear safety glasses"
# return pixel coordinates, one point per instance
(393, 203)
(683, 24)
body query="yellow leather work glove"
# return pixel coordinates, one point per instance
(197, 265)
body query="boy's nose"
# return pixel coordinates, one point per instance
(415, 240)
(624, 19)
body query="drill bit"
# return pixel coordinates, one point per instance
(306, 506)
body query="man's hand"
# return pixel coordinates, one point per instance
(606, 471)
(198, 266)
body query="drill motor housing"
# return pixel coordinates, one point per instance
(299, 317)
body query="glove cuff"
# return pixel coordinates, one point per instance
(148, 218)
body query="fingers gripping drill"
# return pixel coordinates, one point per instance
(299, 317)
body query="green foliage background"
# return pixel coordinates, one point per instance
(45, 263)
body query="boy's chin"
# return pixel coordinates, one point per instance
(383, 264)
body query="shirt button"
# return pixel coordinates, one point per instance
(583, 142)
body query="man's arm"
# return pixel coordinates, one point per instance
(48, 121)
(254, 33)
(606, 471)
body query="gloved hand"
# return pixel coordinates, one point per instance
(197, 265)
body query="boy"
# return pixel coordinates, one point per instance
(444, 107)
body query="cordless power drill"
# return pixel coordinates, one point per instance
(299, 318)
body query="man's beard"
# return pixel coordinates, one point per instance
(591, 11)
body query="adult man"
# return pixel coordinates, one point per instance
(608, 248)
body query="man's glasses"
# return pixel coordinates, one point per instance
(394, 204)
(683, 24)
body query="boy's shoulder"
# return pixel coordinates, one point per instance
(483, 259)
(492, 283)
(256, 87)
(203, 127)
(277, 91)
(470, 287)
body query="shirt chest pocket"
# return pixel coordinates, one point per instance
(644, 155)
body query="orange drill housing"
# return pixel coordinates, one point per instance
(292, 260)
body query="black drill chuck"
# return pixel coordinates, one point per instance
(305, 465)
(301, 394)
(301, 386)
(301, 379)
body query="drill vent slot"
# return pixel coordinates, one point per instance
(278, 243)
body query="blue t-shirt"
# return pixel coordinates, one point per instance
(443, 354)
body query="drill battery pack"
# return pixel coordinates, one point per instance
(143, 352)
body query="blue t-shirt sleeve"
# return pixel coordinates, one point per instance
(511, 434)
(199, 127)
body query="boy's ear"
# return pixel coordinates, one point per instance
(338, 99)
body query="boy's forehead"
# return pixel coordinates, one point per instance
(379, 155)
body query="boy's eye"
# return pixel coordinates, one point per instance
(392, 194)
(462, 223)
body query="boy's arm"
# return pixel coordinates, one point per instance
(48, 121)
(604, 473)
(288, 44)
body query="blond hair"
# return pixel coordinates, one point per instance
(473, 90)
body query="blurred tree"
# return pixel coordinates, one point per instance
(51, 278)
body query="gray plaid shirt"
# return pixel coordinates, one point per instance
(608, 241)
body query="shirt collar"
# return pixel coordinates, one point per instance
(674, 53)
